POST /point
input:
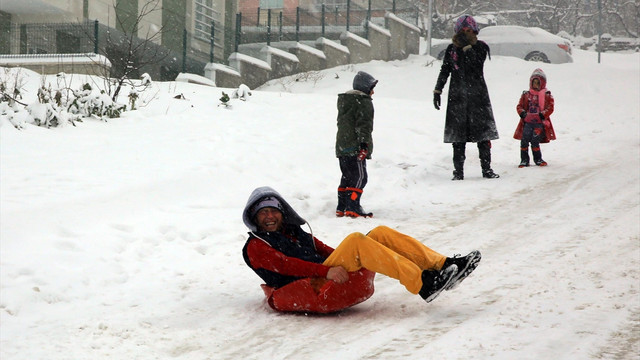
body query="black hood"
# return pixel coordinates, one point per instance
(364, 82)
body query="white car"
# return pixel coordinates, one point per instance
(528, 43)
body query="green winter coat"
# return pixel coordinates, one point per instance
(355, 123)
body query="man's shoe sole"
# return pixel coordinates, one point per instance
(471, 265)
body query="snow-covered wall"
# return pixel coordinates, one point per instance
(398, 42)
(405, 37)
(336, 53)
(380, 39)
(359, 47)
(311, 59)
(282, 63)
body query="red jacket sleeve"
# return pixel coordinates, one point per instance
(522, 104)
(263, 256)
(323, 249)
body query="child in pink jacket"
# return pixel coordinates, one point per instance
(535, 107)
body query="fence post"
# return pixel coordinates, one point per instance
(258, 17)
(280, 26)
(184, 50)
(348, 12)
(213, 42)
(268, 27)
(599, 46)
(238, 30)
(95, 36)
(297, 23)
(322, 22)
(366, 24)
(23, 39)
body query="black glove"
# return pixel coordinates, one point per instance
(541, 116)
(462, 39)
(523, 114)
(436, 100)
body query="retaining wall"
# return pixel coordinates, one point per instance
(397, 42)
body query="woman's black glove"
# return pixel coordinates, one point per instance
(462, 40)
(436, 100)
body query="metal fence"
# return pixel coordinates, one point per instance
(191, 52)
(61, 38)
(43, 39)
(267, 25)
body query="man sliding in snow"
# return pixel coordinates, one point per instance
(280, 252)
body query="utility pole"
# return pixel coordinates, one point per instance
(599, 29)
(429, 33)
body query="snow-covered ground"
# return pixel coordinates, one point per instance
(122, 239)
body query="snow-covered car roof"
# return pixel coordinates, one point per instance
(528, 43)
(517, 34)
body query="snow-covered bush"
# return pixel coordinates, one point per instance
(242, 92)
(54, 107)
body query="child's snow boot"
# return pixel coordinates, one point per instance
(537, 157)
(524, 157)
(342, 202)
(353, 208)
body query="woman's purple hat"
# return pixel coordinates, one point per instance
(466, 21)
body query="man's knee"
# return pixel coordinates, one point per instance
(353, 238)
(378, 230)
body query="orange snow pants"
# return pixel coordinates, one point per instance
(389, 252)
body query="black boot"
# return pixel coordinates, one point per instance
(524, 157)
(353, 208)
(484, 150)
(342, 202)
(489, 174)
(537, 157)
(458, 161)
(458, 175)
(433, 282)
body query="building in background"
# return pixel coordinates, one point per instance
(178, 27)
(166, 37)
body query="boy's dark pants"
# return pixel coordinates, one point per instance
(353, 180)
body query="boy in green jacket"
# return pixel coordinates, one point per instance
(354, 144)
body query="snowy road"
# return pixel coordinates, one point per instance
(122, 240)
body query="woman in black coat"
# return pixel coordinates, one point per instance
(469, 114)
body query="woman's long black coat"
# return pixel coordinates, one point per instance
(469, 113)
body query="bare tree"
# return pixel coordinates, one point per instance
(129, 51)
(446, 11)
(577, 17)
